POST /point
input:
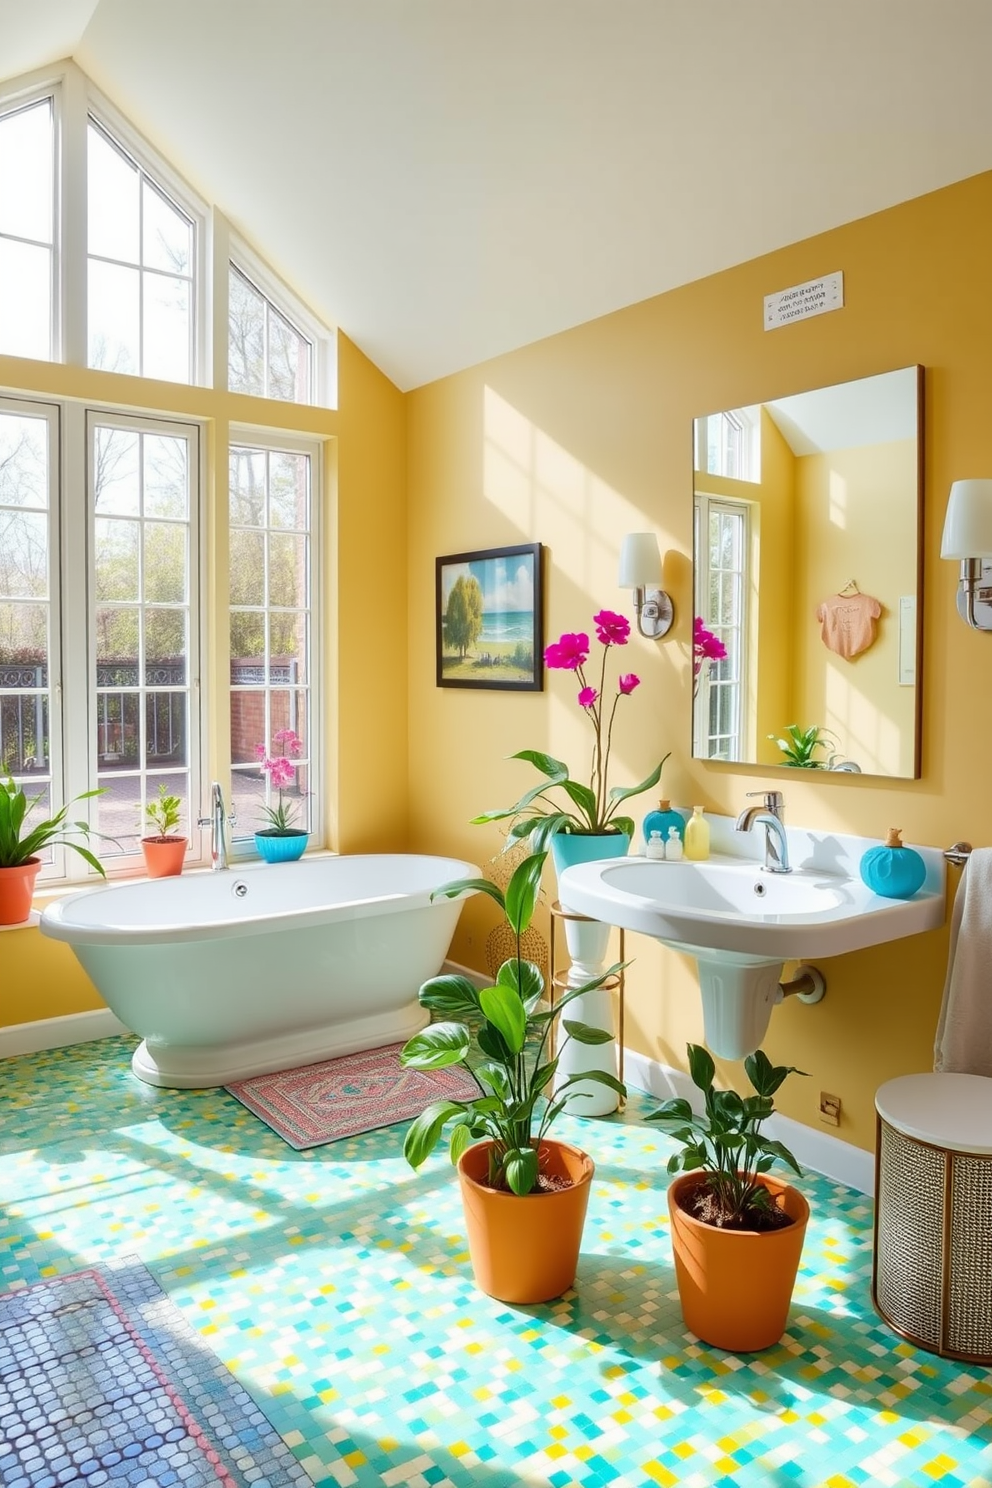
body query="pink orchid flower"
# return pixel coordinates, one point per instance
(628, 682)
(587, 697)
(611, 629)
(569, 653)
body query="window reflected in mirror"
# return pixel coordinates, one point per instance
(807, 561)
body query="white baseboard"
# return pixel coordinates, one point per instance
(841, 1161)
(477, 978)
(57, 1033)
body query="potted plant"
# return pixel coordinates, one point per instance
(21, 841)
(800, 746)
(282, 841)
(588, 825)
(737, 1233)
(524, 1194)
(165, 851)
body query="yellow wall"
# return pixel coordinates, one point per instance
(871, 716)
(587, 435)
(364, 535)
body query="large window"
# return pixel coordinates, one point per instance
(27, 230)
(721, 568)
(272, 601)
(143, 618)
(140, 280)
(729, 444)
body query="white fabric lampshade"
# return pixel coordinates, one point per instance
(968, 523)
(640, 561)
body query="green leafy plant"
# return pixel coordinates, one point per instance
(509, 1039)
(591, 809)
(726, 1143)
(163, 813)
(800, 746)
(20, 840)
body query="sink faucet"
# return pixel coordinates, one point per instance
(217, 821)
(768, 815)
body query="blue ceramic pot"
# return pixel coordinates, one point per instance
(568, 848)
(281, 847)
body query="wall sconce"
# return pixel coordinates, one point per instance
(968, 536)
(640, 570)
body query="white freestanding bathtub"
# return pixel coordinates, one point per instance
(266, 966)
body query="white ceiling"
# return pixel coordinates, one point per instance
(450, 179)
(872, 410)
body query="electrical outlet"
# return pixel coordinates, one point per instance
(829, 1109)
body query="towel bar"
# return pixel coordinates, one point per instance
(958, 854)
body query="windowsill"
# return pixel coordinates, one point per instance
(49, 893)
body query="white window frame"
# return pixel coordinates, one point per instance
(702, 741)
(243, 437)
(323, 375)
(11, 102)
(748, 422)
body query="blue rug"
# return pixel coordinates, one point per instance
(103, 1382)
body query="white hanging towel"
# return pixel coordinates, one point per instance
(964, 1029)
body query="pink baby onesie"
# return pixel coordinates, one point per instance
(847, 622)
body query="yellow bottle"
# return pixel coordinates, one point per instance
(697, 836)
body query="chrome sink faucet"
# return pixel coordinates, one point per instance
(217, 821)
(768, 815)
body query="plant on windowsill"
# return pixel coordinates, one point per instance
(800, 746)
(164, 850)
(282, 841)
(588, 826)
(21, 841)
(524, 1194)
(737, 1233)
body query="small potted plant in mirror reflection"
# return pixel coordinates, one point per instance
(23, 840)
(165, 850)
(800, 745)
(282, 840)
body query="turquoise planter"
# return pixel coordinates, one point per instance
(568, 848)
(276, 847)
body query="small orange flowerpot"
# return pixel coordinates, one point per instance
(735, 1286)
(16, 890)
(164, 856)
(525, 1249)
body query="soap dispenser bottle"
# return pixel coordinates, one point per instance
(673, 847)
(697, 836)
(656, 846)
(662, 821)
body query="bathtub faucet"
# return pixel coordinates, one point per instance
(217, 821)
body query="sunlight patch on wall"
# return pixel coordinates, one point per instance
(837, 500)
(861, 731)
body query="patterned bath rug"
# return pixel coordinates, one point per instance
(321, 1103)
(102, 1381)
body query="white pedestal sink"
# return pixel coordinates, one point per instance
(742, 923)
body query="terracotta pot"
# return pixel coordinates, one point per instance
(525, 1249)
(16, 889)
(735, 1286)
(164, 856)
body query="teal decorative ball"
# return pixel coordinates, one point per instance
(892, 870)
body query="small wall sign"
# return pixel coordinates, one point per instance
(815, 297)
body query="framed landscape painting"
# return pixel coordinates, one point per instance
(489, 608)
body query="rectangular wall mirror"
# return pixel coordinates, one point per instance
(807, 560)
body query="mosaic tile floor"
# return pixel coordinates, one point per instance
(335, 1285)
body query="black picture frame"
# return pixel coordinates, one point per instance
(502, 623)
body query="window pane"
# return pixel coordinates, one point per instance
(165, 648)
(287, 570)
(115, 473)
(23, 555)
(114, 213)
(247, 800)
(248, 727)
(27, 172)
(165, 562)
(118, 812)
(39, 809)
(288, 647)
(176, 784)
(24, 639)
(25, 300)
(289, 493)
(247, 647)
(116, 545)
(23, 461)
(287, 710)
(166, 340)
(24, 745)
(246, 337)
(113, 318)
(289, 361)
(165, 728)
(168, 233)
(247, 488)
(166, 476)
(117, 729)
(116, 643)
(247, 568)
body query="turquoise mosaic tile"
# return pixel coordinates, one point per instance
(336, 1287)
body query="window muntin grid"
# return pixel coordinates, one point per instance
(268, 356)
(143, 620)
(271, 614)
(27, 230)
(721, 565)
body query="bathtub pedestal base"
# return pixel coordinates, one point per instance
(192, 1067)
